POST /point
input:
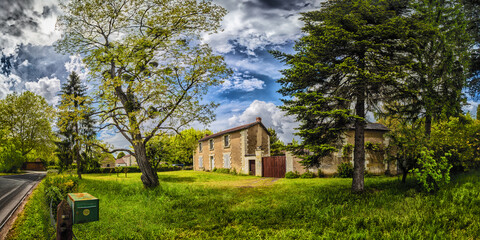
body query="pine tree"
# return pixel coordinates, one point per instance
(439, 48)
(75, 123)
(348, 61)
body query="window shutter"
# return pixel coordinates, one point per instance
(226, 160)
(200, 161)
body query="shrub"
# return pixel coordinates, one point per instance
(320, 173)
(292, 175)
(221, 170)
(431, 173)
(10, 160)
(345, 170)
(307, 175)
(57, 187)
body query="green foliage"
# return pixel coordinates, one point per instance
(376, 147)
(34, 220)
(120, 155)
(307, 174)
(199, 205)
(176, 148)
(292, 175)
(276, 146)
(25, 124)
(11, 160)
(222, 170)
(153, 76)
(57, 187)
(432, 173)
(349, 59)
(345, 170)
(460, 137)
(439, 47)
(347, 150)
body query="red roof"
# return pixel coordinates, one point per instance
(119, 161)
(234, 130)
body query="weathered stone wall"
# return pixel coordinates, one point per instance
(252, 140)
(374, 160)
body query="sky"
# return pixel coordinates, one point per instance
(250, 29)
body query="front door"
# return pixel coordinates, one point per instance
(251, 167)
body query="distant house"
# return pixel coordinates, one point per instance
(240, 148)
(246, 149)
(120, 163)
(375, 154)
(126, 161)
(107, 162)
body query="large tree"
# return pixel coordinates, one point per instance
(439, 48)
(26, 122)
(75, 123)
(348, 61)
(149, 61)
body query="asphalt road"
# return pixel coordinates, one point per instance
(12, 191)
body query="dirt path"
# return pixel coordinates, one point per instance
(262, 182)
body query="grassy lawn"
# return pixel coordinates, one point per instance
(200, 205)
(7, 174)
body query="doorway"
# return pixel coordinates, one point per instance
(251, 167)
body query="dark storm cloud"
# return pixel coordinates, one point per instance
(18, 17)
(285, 4)
(34, 62)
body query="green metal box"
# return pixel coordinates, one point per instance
(84, 206)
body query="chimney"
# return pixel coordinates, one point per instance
(206, 135)
(259, 119)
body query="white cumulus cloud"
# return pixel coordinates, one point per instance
(272, 117)
(47, 88)
(76, 65)
(243, 82)
(7, 83)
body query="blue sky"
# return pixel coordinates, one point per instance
(250, 29)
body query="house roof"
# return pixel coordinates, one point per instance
(119, 161)
(235, 129)
(373, 126)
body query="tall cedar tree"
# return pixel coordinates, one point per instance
(347, 62)
(439, 48)
(472, 13)
(151, 66)
(276, 146)
(75, 123)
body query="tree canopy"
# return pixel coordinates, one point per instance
(349, 60)
(149, 61)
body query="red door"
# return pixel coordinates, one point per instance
(274, 166)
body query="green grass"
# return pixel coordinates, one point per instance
(7, 174)
(201, 205)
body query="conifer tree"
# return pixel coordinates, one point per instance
(75, 123)
(348, 61)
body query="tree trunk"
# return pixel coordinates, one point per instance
(79, 161)
(359, 150)
(149, 177)
(428, 125)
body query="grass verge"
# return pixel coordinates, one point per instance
(200, 205)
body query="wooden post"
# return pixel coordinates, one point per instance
(64, 221)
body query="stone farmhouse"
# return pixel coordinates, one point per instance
(246, 149)
(126, 161)
(240, 149)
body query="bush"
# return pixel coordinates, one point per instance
(221, 170)
(57, 187)
(307, 175)
(10, 160)
(431, 173)
(320, 173)
(345, 170)
(292, 175)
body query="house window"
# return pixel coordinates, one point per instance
(212, 163)
(226, 160)
(211, 144)
(226, 140)
(199, 147)
(200, 161)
